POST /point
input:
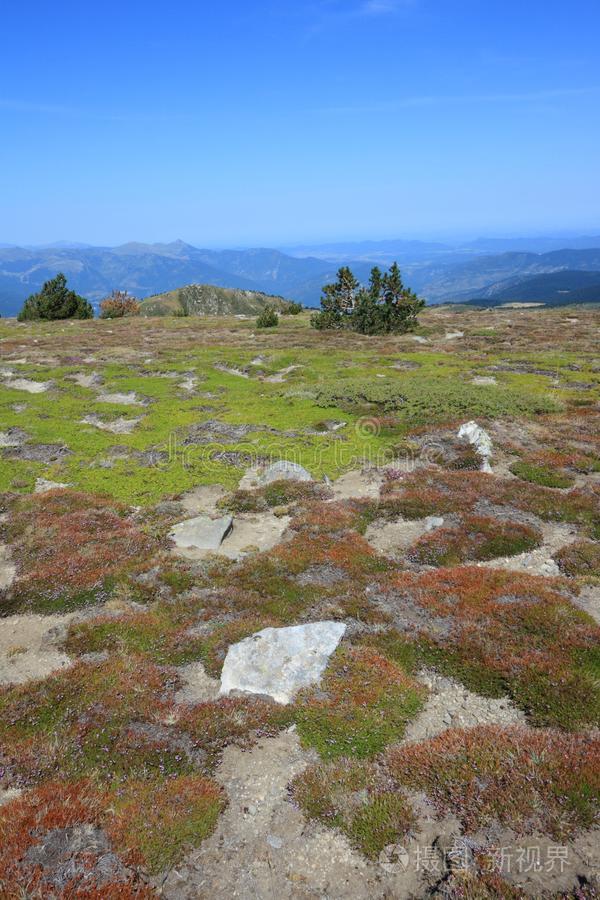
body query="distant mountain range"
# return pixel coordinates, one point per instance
(487, 276)
(439, 272)
(207, 300)
(555, 289)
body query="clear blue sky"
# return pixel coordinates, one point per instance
(265, 123)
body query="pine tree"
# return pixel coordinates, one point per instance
(337, 301)
(366, 314)
(56, 301)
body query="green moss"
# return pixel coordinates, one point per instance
(161, 821)
(543, 475)
(364, 704)
(420, 398)
(348, 795)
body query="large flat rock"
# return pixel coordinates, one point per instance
(278, 662)
(284, 470)
(201, 532)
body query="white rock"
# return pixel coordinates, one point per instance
(278, 662)
(451, 335)
(284, 470)
(8, 569)
(9, 439)
(117, 426)
(483, 380)
(25, 384)
(43, 484)
(86, 379)
(432, 522)
(128, 398)
(189, 383)
(480, 439)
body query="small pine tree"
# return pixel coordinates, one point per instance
(268, 318)
(55, 301)
(292, 309)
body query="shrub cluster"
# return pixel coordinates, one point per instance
(118, 305)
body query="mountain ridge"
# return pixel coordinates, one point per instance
(145, 270)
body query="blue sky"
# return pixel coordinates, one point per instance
(267, 123)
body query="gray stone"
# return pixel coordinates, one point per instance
(201, 532)
(284, 471)
(278, 662)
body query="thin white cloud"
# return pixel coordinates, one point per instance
(26, 106)
(57, 109)
(325, 13)
(379, 7)
(453, 100)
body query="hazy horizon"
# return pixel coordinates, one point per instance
(433, 237)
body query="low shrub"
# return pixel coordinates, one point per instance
(268, 318)
(241, 721)
(502, 632)
(119, 305)
(476, 538)
(70, 548)
(437, 492)
(55, 809)
(157, 823)
(525, 780)
(579, 558)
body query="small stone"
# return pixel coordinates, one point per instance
(275, 842)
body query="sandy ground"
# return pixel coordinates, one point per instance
(8, 569)
(263, 848)
(28, 647)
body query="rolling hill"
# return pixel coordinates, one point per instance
(208, 300)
